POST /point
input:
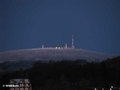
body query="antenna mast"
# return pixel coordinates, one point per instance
(73, 41)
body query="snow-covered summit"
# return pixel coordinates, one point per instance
(53, 54)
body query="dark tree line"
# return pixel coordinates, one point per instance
(69, 75)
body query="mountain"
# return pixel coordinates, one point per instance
(25, 58)
(54, 54)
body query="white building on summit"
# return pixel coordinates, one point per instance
(58, 47)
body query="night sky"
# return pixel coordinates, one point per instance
(95, 24)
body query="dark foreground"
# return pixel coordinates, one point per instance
(69, 75)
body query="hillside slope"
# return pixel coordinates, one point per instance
(52, 54)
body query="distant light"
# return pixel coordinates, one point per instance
(111, 86)
(57, 47)
(95, 89)
(102, 88)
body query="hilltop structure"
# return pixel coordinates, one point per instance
(73, 41)
(58, 47)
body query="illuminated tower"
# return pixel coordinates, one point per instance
(42, 46)
(65, 45)
(73, 41)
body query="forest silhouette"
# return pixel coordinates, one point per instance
(69, 75)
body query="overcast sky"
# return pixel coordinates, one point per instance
(95, 24)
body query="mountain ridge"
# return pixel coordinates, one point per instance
(54, 54)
